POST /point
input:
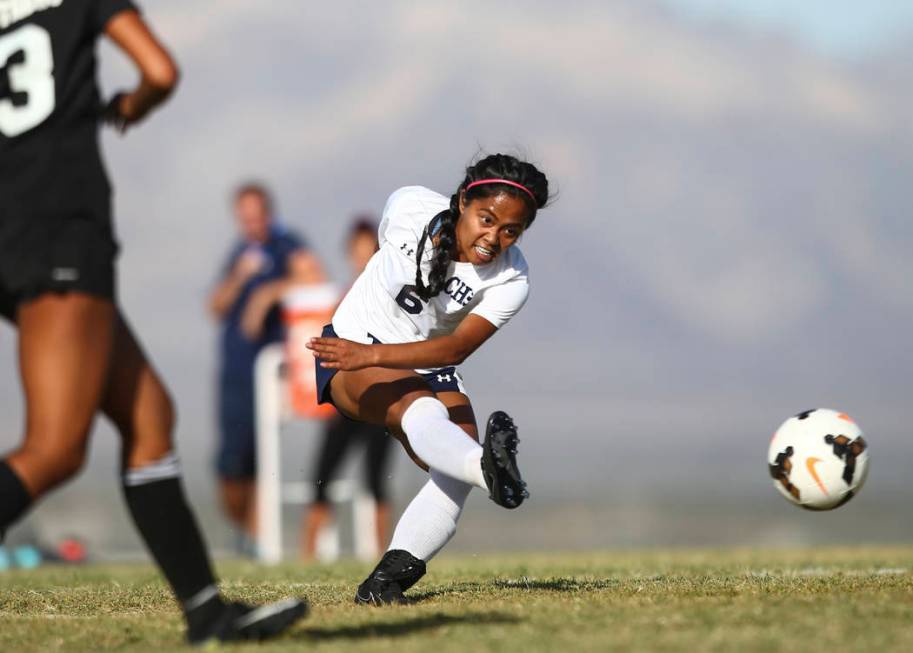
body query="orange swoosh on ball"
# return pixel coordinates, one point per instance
(810, 464)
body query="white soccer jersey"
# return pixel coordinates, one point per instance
(382, 302)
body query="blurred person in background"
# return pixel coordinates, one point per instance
(342, 433)
(261, 264)
(78, 356)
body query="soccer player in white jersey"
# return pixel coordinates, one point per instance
(447, 276)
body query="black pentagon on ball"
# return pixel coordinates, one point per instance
(805, 413)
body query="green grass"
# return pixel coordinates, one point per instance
(838, 600)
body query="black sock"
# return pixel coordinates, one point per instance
(14, 498)
(201, 617)
(166, 524)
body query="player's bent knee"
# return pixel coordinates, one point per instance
(421, 408)
(405, 410)
(49, 467)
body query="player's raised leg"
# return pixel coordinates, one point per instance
(403, 402)
(138, 404)
(64, 351)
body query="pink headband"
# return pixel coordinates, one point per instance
(503, 181)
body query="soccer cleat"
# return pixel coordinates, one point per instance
(396, 572)
(499, 462)
(238, 621)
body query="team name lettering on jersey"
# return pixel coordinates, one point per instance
(458, 290)
(12, 11)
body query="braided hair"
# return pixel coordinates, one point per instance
(443, 225)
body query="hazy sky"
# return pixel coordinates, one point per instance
(730, 243)
(839, 27)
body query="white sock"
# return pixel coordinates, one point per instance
(430, 520)
(443, 445)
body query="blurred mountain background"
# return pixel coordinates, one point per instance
(729, 243)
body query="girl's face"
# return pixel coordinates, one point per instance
(487, 226)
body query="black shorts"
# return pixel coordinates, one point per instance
(446, 379)
(41, 254)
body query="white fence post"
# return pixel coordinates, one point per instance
(268, 397)
(364, 525)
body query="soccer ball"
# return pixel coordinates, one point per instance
(818, 459)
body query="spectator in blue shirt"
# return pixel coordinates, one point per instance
(245, 301)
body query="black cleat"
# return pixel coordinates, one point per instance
(499, 462)
(396, 572)
(238, 621)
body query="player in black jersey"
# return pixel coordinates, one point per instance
(77, 355)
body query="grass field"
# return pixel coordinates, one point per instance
(838, 600)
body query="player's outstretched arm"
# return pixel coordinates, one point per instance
(158, 70)
(453, 349)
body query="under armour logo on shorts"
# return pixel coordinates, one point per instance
(65, 274)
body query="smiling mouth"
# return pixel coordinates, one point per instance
(484, 252)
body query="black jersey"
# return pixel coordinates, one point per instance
(49, 110)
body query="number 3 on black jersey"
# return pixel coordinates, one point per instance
(31, 79)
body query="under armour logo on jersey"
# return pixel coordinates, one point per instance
(444, 378)
(405, 248)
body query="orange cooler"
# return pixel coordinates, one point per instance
(306, 309)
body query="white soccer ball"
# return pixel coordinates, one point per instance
(818, 459)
